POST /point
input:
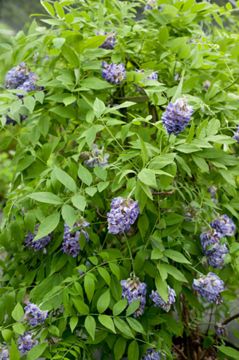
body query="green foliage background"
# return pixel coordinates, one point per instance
(167, 175)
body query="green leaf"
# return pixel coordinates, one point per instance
(123, 327)
(18, 312)
(69, 215)
(95, 83)
(79, 202)
(119, 306)
(48, 225)
(80, 306)
(105, 275)
(46, 197)
(14, 353)
(107, 322)
(65, 179)
(119, 348)
(162, 288)
(73, 323)
(103, 301)
(98, 107)
(133, 351)
(85, 175)
(90, 326)
(176, 256)
(36, 351)
(173, 271)
(147, 177)
(229, 351)
(48, 7)
(7, 334)
(133, 306)
(135, 325)
(178, 92)
(89, 286)
(19, 328)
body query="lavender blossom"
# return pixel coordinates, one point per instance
(153, 76)
(113, 73)
(159, 302)
(21, 78)
(109, 42)
(217, 255)
(4, 354)
(208, 239)
(224, 225)
(177, 116)
(220, 329)
(152, 354)
(236, 134)
(123, 214)
(133, 290)
(38, 244)
(96, 157)
(213, 192)
(70, 245)
(34, 315)
(26, 342)
(209, 286)
(150, 5)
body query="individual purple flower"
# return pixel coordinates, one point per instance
(153, 76)
(133, 290)
(34, 315)
(16, 76)
(159, 302)
(220, 329)
(4, 354)
(206, 84)
(208, 239)
(123, 213)
(217, 256)
(236, 134)
(26, 342)
(96, 157)
(109, 42)
(38, 244)
(152, 354)
(177, 116)
(113, 73)
(70, 245)
(224, 225)
(30, 84)
(213, 192)
(209, 286)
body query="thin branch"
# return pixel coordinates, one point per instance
(233, 317)
(180, 352)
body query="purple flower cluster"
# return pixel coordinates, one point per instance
(26, 342)
(70, 245)
(177, 116)
(236, 134)
(34, 315)
(224, 225)
(152, 354)
(96, 157)
(159, 302)
(150, 5)
(38, 244)
(220, 329)
(211, 240)
(19, 77)
(213, 192)
(123, 213)
(109, 42)
(113, 73)
(4, 354)
(133, 290)
(153, 76)
(209, 286)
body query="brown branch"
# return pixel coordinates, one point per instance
(233, 317)
(180, 352)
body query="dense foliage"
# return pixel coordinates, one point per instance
(119, 174)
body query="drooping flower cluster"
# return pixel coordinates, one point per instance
(236, 134)
(211, 243)
(109, 42)
(70, 245)
(26, 342)
(151, 4)
(152, 354)
(34, 315)
(133, 290)
(38, 244)
(96, 157)
(177, 116)
(209, 286)
(113, 73)
(123, 213)
(224, 225)
(220, 329)
(4, 354)
(19, 77)
(159, 302)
